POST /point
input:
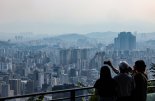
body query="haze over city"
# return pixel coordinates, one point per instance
(76, 16)
(48, 46)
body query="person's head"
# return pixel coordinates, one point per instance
(140, 66)
(105, 72)
(123, 67)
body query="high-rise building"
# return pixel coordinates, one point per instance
(75, 55)
(72, 56)
(6, 90)
(30, 87)
(15, 84)
(38, 77)
(65, 56)
(125, 41)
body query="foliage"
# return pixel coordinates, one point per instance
(40, 98)
(151, 83)
(90, 91)
(31, 99)
(153, 69)
(94, 98)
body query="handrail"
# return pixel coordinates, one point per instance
(52, 92)
(80, 96)
(72, 93)
(152, 86)
(151, 80)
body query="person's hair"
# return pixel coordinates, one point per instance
(123, 67)
(105, 73)
(140, 66)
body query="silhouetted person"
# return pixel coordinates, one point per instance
(140, 78)
(124, 80)
(106, 86)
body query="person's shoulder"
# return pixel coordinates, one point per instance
(129, 76)
(139, 76)
(117, 76)
(98, 80)
(97, 83)
(114, 82)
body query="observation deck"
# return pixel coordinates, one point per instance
(73, 96)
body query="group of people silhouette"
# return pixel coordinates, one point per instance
(130, 84)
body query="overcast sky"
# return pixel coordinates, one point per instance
(81, 16)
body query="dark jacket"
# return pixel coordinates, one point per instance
(126, 84)
(106, 87)
(140, 91)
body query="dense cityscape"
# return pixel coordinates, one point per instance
(51, 64)
(77, 50)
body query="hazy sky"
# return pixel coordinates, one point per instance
(81, 16)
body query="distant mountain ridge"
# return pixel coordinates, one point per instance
(71, 37)
(102, 34)
(99, 37)
(103, 37)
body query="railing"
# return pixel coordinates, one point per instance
(72, 96)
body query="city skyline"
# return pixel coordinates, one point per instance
(50, 45)
(58, 63)
(71, 16)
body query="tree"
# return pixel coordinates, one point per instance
(152, 69)
(91, 91)
(151, 83)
